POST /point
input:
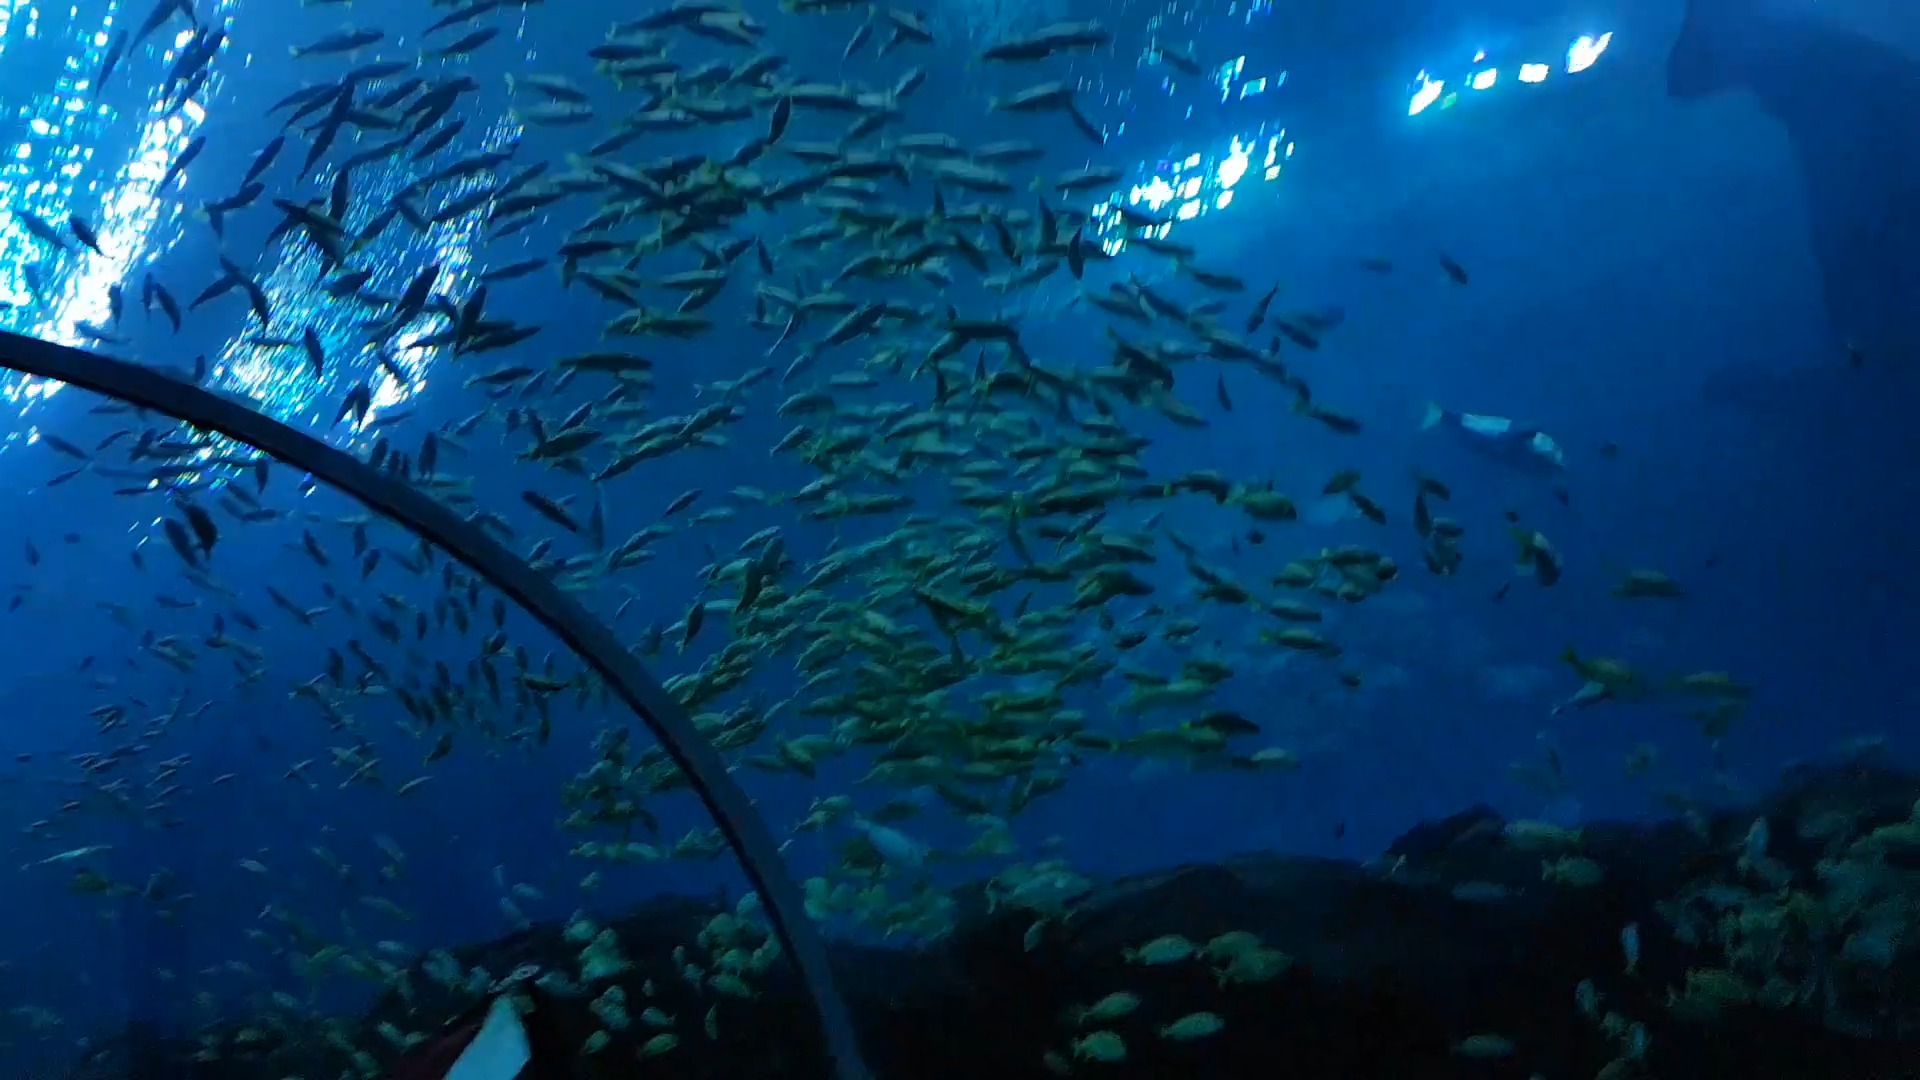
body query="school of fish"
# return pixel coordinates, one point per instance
(980, 545)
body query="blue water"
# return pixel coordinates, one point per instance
(1625, 253)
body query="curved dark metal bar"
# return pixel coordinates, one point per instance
(725, 800)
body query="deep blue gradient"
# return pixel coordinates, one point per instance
(1642, 287)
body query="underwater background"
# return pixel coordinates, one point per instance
(265, 753)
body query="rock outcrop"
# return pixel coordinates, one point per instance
(1468, 950)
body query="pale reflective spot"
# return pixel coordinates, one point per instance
(1585, 51)
(1429, 92)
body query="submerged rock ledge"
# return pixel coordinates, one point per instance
(1792, 954)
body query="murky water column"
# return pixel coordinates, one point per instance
(317, 756)
(94, 706)
(270, 752)
(66, 150)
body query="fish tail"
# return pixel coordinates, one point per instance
(1433, 416)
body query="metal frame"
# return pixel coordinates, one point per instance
(732, 810)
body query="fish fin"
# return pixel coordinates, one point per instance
(1433, 416)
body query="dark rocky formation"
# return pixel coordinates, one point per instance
(1453, 933)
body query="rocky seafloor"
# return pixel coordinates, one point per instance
(1787, 950)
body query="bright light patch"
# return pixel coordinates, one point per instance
(276, 377)
(127, 216)
(1234, 167)
(1582, 54)
(1429, 92)
(1228, 72)
(1193, 186)
(1479, 56)
(1156, 193)
(1484, 79)
(1533, 73)
(63, 167)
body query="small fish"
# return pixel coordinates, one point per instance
(162, 11)
(263, 160)
(550, 510)
(42, 229)
(116, 50)
(186, 158)
(1538, 556)
(467, 44)
(696, 618)
(1500, 438)
(464, 14)
(347, 40)
(315, 350)
(1259, 313)
(75, 854)
(84, 232)
(513, 270)
(202, 524)
(159, 295)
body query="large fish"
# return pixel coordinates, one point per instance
(1528, 449)
(1850, 107)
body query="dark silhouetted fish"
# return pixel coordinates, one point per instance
(1850, 107)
